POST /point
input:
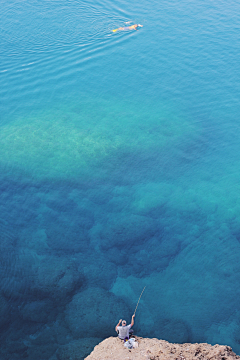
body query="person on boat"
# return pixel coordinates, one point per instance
(125, 330)
(132, 27)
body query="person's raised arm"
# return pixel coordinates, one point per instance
(132, 322)
(118, 325)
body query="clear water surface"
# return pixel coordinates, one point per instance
(119, 169)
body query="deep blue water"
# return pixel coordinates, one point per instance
(119, 169)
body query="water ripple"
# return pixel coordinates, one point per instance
(44, 26)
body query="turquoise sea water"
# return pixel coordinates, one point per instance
(119, 169)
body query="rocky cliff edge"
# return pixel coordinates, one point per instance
(154, 349)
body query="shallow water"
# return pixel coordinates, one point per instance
(119, 169)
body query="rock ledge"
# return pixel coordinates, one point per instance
(154, 349)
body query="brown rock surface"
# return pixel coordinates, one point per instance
(154, 349)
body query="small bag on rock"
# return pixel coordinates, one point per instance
(131, 344)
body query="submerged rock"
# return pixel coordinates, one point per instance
(76, 349)
(92, 313)
(4, 311)
(40, 311)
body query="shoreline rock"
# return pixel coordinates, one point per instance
(153, 349)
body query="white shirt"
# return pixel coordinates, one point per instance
(124, 331)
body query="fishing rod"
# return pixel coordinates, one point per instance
(139, 300)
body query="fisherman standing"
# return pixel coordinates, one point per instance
(124, 330)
